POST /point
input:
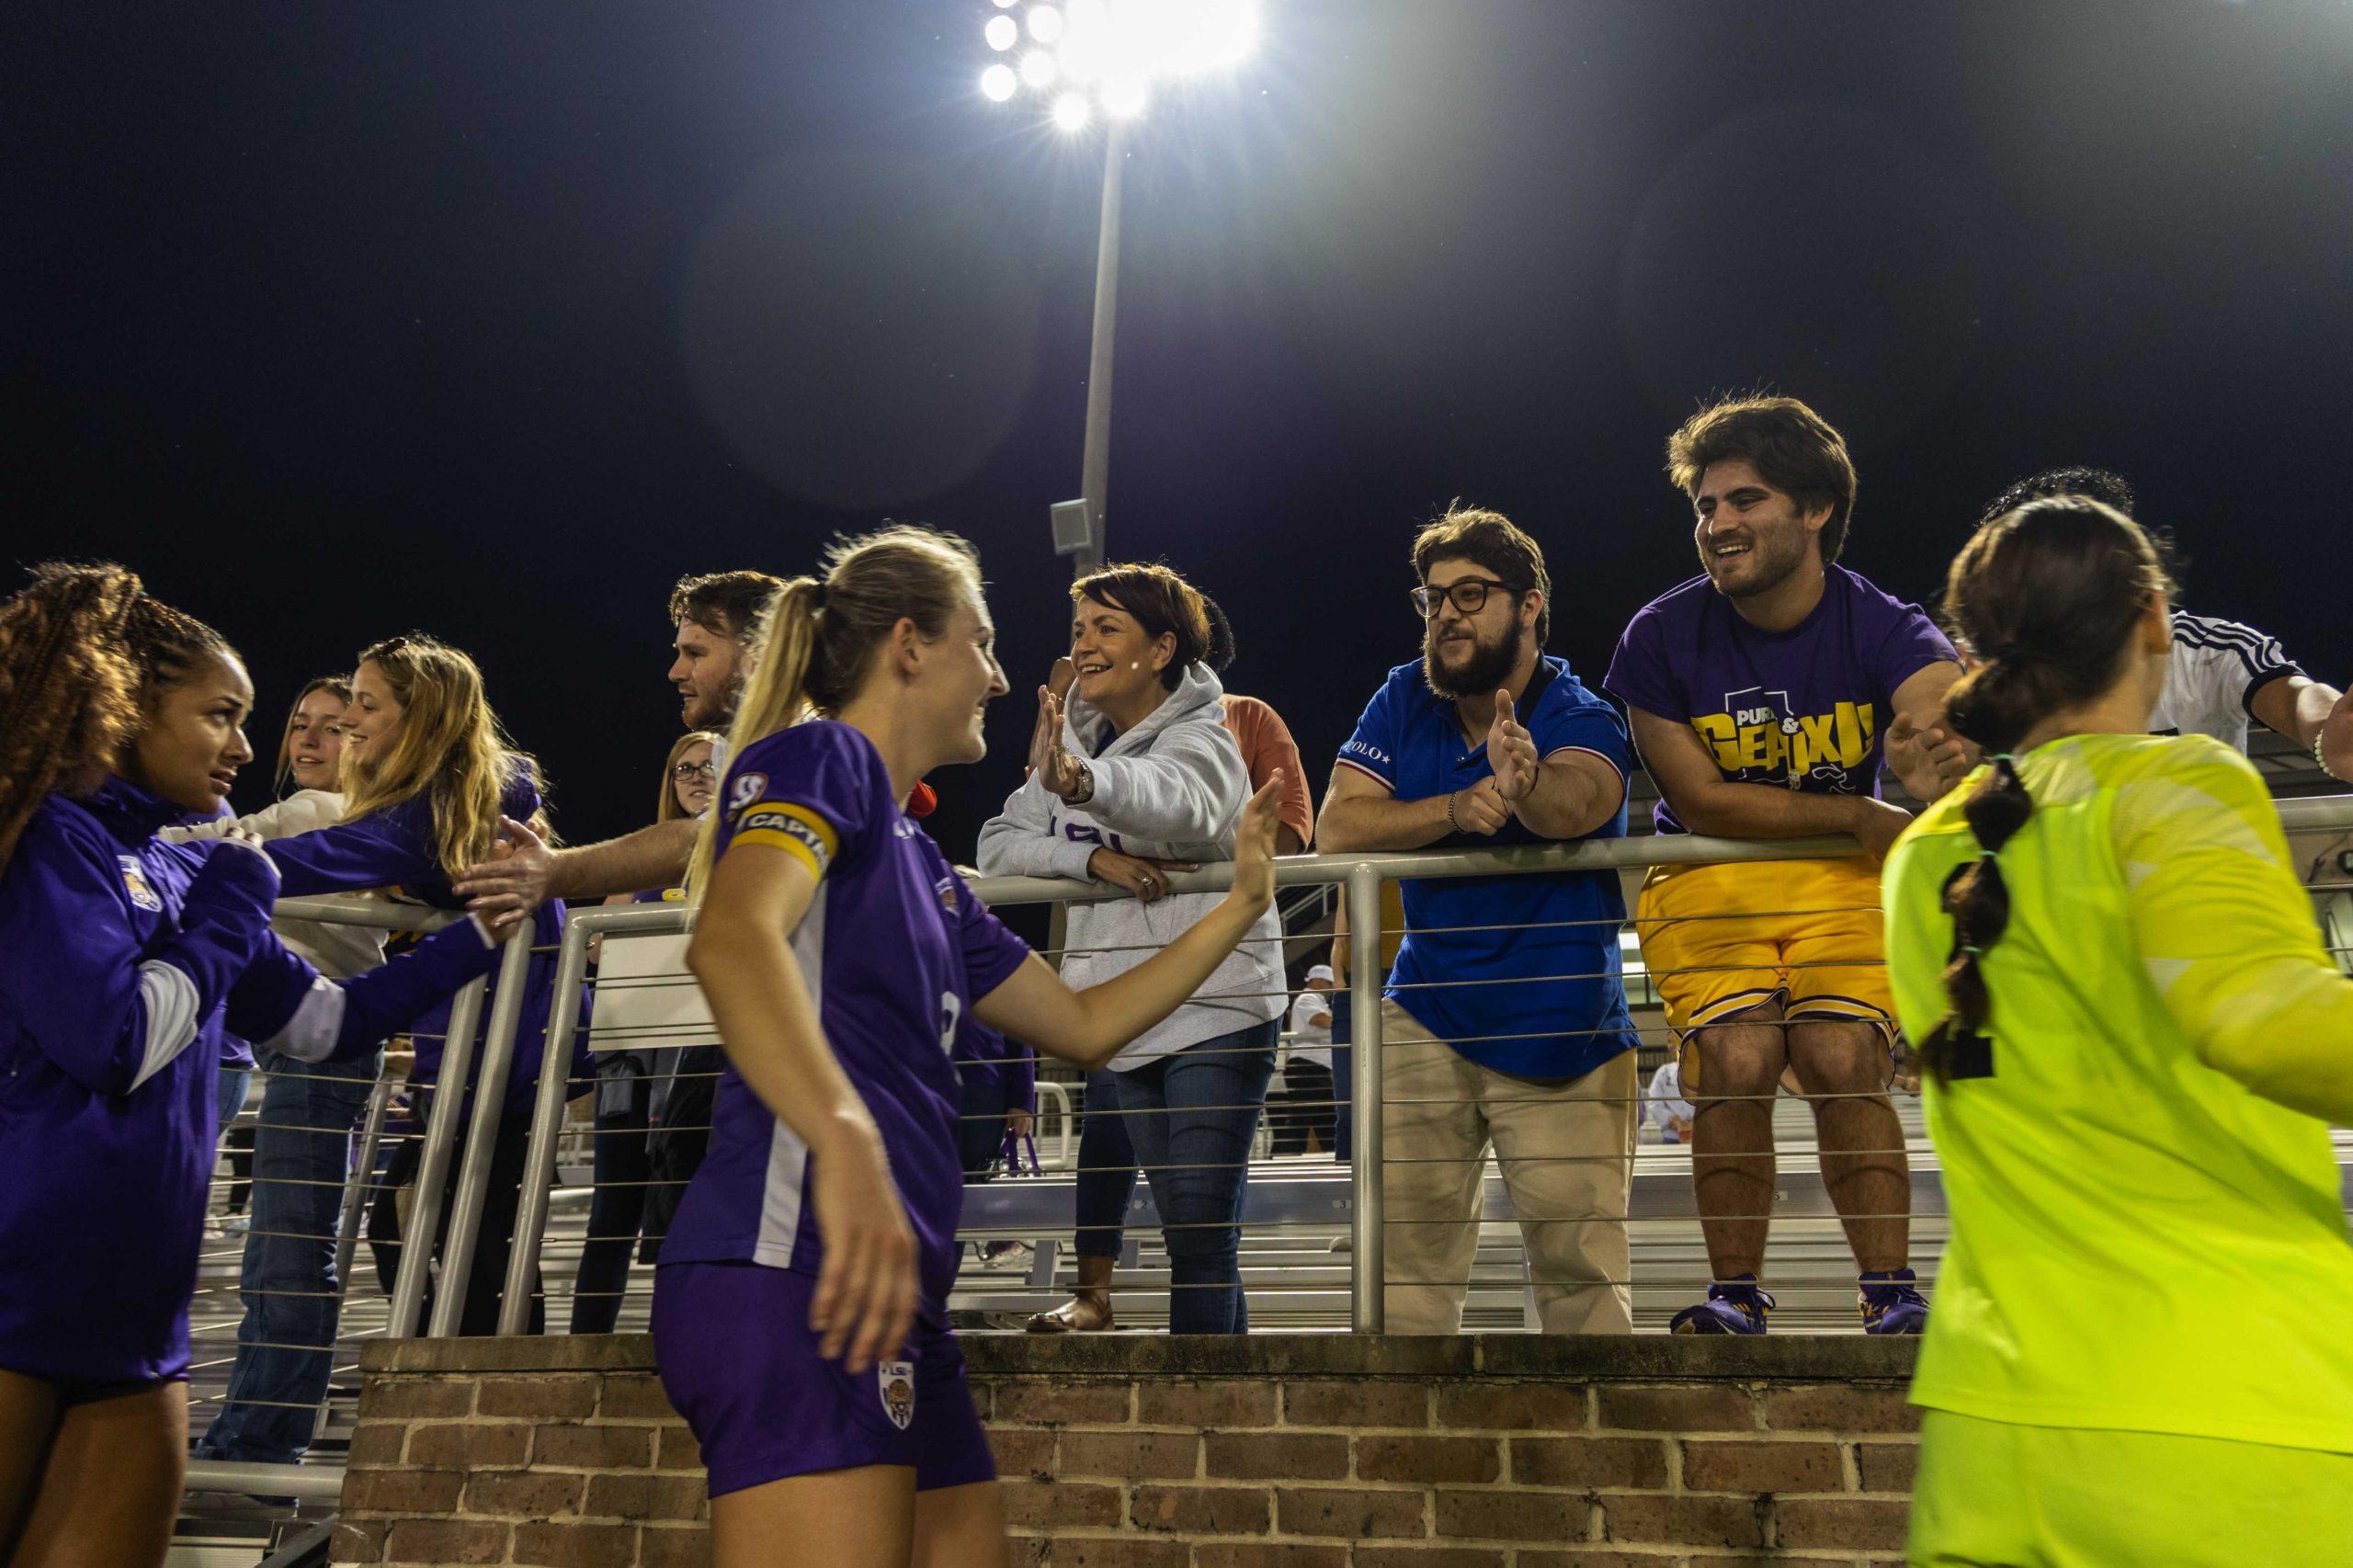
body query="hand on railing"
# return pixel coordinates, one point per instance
(1145, 878)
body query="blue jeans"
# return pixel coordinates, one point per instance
(285, 1344)
(1107, 1170)
(1190, 1117)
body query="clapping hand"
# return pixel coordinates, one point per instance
(1511, 752)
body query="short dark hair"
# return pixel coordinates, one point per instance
(1493, 541)
(725, 604)
(2095, 483)
(1794, 447)
(1164, 605)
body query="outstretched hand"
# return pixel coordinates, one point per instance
(1254, 843)
(514, 881)
(1056, 766)
(1511, 752)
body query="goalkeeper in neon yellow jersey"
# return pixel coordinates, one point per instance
(2135, 1045)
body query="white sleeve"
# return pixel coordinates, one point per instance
(1019, 841)
(310, 1034)
(1189, 789)
(169, 999)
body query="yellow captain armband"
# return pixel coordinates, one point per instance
(785, 826)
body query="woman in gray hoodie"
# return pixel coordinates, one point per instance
(1140, 771)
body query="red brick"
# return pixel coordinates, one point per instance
(1222, 1402)
(633, 1396)
(1639, 1463)
(595, 1447)
(1592, 1557)
(679, 1448)
(446, 1541)
(1762, 1467)
(1023, 1450)
(408, 1399)
(1512, 1407)
(1200, 1510)
(1887, 1467)
(1356, 1405)
(375, 1442)
(468, 1444)
(1865, 1524)
(1261, 1554)
(1044, 1404)
(1428, 1557)
(575, 1546)
(1510, 1515)
(357, 1540)
(425, 1492)
(1351, 1512)
(1277, 1456)
(1678, 1407)
(644, 1497)
(1839, 1407)
(1684, 1521)
(1103, 1551)
(1429, 1461)
(529, 1494)
(1054, 1504)
(660, 1548)
(1130, 1456)
(568, 1398)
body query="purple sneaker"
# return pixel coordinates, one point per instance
(1891, 1302)
(1736, 1306)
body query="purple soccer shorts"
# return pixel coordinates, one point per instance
(737, 1358)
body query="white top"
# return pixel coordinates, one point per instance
(337, 951)
(1310, 1027)
(2216, 668)
(1665, 1105)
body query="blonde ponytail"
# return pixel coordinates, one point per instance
(774, 697)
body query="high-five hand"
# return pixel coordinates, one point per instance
(1056, 768)
(1511, 752)
(1254, 843)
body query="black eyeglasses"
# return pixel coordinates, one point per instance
(688, 772)
(1469, 595)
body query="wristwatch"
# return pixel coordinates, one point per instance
(1086, 791)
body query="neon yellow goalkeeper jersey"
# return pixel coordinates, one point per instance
(2145, 1236)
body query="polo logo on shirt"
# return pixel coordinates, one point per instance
(135, 883)
(897, 1381)
(1757, 736)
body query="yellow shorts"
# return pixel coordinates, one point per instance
(1721, 940)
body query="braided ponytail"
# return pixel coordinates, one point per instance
(2046, 598)
(81, 647)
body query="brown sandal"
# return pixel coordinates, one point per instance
(1077, 1315)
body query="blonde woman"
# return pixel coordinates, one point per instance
(431, 786)
(636, 1091)
(799, 1312)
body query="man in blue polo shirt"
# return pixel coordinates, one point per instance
(1505, 1022)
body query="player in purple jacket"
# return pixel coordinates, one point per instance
(127, 961)
(799, 1312)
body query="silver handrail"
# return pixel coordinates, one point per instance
(481, 1137)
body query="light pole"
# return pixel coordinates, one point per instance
(1105, 55)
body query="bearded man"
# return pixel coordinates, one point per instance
(1504, 1026)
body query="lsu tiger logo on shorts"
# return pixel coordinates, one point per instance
(135, 883)
(897, 1381)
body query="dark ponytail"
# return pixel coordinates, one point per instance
(2045, 599)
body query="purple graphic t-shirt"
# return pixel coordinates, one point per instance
(1801, 709)
(894, 951)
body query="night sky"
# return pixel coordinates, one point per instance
(336, 321)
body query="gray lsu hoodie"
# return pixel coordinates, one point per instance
(1171, 789)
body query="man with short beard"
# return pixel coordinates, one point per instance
(1760, 695)
(1506, 1022)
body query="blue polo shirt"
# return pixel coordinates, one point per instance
(1552, 938)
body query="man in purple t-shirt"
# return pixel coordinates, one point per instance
(1760, 695)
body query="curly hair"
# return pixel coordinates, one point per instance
(1794, 447)
(83, 652)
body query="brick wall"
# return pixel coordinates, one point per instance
(1273, 1451)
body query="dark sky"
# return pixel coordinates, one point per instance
(335, 321)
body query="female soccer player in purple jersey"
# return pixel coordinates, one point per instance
(800, 1313)
(124, 960)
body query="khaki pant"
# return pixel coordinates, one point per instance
(1568, 1152)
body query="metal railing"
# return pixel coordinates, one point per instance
(1358, 877)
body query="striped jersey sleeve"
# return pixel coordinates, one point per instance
(2229, 663)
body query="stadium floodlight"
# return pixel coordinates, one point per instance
(1091, 59)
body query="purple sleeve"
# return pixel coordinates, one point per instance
(819, 770)
(283, 1002)
(991, 952)
(1639, 676)
(1911, 646)
(1372, 749)
(379, 849)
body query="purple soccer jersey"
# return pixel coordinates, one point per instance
(894, 948)
(1803, 708)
